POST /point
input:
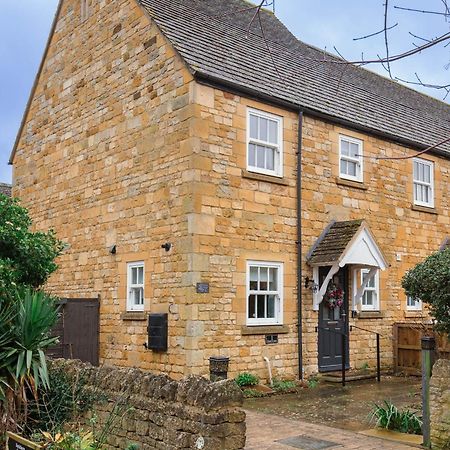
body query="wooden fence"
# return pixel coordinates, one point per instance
(407, 348)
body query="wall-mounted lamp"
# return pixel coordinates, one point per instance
(167, 246)
(309, 284)
(113, 250)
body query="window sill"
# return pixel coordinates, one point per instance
(414, 314)
(134, 315)
(352, 184)
(263, 177)
(248, 330)
(370, 315)
(425, 209)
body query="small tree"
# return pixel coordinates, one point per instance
(26, 258)
(430, 282)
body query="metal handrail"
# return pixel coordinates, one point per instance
(378, 348)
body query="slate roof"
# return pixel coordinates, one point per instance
(333, 241)
(211, 36)
(5, 189)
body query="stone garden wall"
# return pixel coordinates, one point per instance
(162, 413)
(440, 405)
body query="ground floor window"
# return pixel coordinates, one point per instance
(264, 292)
(413, 304)
(371, 296)
(135, 286)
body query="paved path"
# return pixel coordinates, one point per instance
(265, 431)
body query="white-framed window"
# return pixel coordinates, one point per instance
(413, 304)
(264, 293)
(370, 300)
(264, 143)
(351, 159)
(135, 286)
(423, 182)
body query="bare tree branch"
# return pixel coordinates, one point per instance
(374, 34)
(421, 11)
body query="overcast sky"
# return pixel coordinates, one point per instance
(24, 27)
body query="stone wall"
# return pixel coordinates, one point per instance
(440, 405)
(104, 159)
(165, 414)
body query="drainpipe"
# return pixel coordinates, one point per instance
(299, 246)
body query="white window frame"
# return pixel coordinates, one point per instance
(278, 159)
(417, 306)
(131, 306)
(423, 183)
(278, 319)
(376, 289)
(359, 161)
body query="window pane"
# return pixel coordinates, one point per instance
(260, 157)
(273, 282)
(368, 298)
(371, 283)
(252, 155)
(140, 275)
(270, 158)
(137, 296)
(344, 168)
(271, 306)
(253, 126)
(253, 278)
(134, 275)
(354, 150)
(273, 132)
(263, 129)
(416, 170)
(427, 174)
(345, 150)
(251, 307)
(263, 278)
(351, 168)
(261, 303)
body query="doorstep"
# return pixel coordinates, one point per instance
(395, 436)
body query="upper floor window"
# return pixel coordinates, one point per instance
(371, 297)
(264, 143)
(423, 182)
(264, 293)
(413, 304)
(135, 286)
(351, 158)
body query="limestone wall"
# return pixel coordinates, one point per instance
(104, 160)
(164, 414)
(440, 405)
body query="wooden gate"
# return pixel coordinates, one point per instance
(78, 331)
(407, 348)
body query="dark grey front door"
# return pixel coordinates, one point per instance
(332, 323)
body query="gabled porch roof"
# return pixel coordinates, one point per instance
(347, 243)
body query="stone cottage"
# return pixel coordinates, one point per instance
(267, 202)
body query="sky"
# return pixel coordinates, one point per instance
(25, 24)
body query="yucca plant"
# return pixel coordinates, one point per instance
(25, 326)
(388, 416)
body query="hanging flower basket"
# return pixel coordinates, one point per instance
(334, 297)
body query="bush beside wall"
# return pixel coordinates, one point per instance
(163, 413)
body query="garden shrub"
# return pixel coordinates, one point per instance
(429, 281)
(388, 416)
(246, 379)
